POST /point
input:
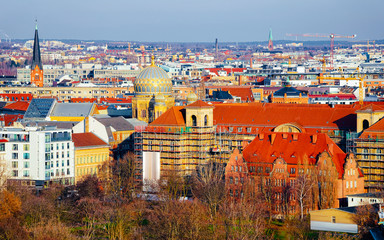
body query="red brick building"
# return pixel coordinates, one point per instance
(273, 163)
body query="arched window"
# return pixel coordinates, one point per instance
(152, 89)
(205, 120)
(194, 121)
(365, 124)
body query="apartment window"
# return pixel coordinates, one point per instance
(242, 180)
(26, 147)
(57, 146)
(267, 169)
(236, 180)
(231, 129)
(67, 145)
(51, 147)
(231, 180)
(346, 184)
(15, 173)
(62, 163)
(15, 156)
(293, 170)
(26, 164)
(230, 192)
(26, 155)
(2, 147)
(67, 162)
(57, 163)
(259, 169)
(26, 173)
(15, 164)
(67, 153)
(14, 147)
(333, 219)
(232, 168)
(239, 129)
(57, 155)
(68, 172)
(249, 130)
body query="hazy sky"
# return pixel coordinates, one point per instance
(190, 20)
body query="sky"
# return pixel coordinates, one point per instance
(190, 20)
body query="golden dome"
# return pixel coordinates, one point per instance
(191, 98)
(153, 80)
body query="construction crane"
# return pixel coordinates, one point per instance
(332, 36)
(354, 76)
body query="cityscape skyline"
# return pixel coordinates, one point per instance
(174, 21)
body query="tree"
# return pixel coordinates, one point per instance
(365, 217)
(302, 189)
(209, 186)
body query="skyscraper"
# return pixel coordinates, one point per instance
(37, 66)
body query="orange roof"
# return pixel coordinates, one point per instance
(272, 114)
(199, 104)
(102, 107)
(20, 106)
(87, 140)
(374, 131)
(293, 148)
(172, 117)
(245, 93)
(269, 115)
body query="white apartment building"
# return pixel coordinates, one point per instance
(39, 155)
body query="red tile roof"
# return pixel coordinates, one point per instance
(270, 115)
(199, 104)
(374, 131)
(9, 119)
(87, 140)
(20, 106)
(293, 148)
(245, 93)
(172, 117)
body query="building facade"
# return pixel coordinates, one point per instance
(39, 155)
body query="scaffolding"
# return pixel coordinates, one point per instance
(369, 152)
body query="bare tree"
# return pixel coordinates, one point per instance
(302, 189)
(209, 186)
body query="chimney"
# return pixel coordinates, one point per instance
(272, 138)
(314, 139)
(261, 136)
(251, 64)
(295, 136)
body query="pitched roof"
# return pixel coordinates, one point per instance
(270, 115)
(289, 91)
(72, 109)
(199, 104)
(172, 117)
(20, 106)
(117, 123)
(87, 140)
(374, 131)
(40, 108)
(9, 119)
(245, 93)
(293, 147)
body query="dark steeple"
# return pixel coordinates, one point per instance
(36, 59)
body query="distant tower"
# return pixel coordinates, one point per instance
(270, 43)
(216, 47)
(37, 66)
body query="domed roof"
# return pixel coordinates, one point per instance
(153, 80)
(192, 97)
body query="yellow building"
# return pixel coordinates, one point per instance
(153, 93)
(90, 154)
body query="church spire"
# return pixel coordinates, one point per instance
(37, 66)
(36, 58)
